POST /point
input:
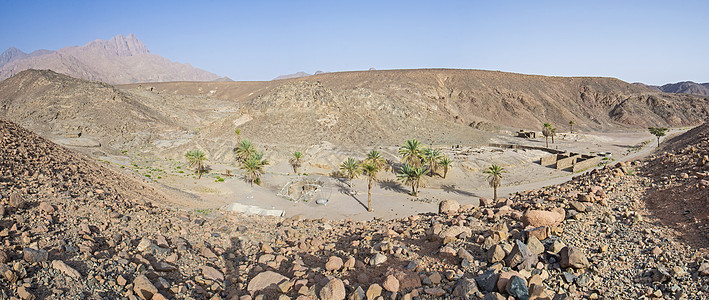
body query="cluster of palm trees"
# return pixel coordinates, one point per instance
(370, 166)
(418, 161)
(549, 131)
(196, 159)
(251, 161)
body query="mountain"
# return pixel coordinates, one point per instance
(686, 87)
(122, 59)
(297, 75)
(367, 108)
(294, 75)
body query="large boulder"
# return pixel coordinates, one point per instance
(265, 280)
(333, 290)
(448, 206)
(573, 257)
(539, 218)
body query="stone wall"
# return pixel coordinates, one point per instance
(588, 162)
(567, 162)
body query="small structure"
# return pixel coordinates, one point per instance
(526, 134)
(302, 189)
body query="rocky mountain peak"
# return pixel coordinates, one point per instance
(120, 45)
(11, 54)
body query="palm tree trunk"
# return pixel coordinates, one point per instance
(547, 140)
(445, 172)
(369, 195)
(552, 139)
(658, 141)
(252, 182)
(495, 189)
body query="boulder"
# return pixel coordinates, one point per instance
(334, 264)
(391, 284)
(572, 257)
(265, 280)
(144, 288)
(538, 218)
(448, 206)
(333, 290)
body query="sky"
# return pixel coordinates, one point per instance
(654, 42)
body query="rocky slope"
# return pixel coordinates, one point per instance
(351, 109)
(687, 87)
(122, 59)
(72, 229)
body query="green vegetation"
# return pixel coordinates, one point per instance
(494, 177)
(411, 153)
(375, 158)
(196, 159)
(571, 125)
(253, 167)
(412, 175)
(658, 132)
(350, 168)
(432, 157)
(371, 170)
(244, 150)
(295, 161)
(219, 179)
(446, 163)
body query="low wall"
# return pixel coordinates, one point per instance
(567, 162)
(510, 146)
(548, 160)
(587, 163)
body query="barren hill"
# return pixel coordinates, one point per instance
(122, 59)
(352, 108)
(687, 87)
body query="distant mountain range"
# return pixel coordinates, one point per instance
(684, 87)
(297, 75)
(122, 59)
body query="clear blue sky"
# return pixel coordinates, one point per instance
(654, 42)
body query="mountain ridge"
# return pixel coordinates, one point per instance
(119, 60)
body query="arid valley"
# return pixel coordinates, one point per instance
(124, 175)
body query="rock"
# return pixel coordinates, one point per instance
(465, 255)
(212, 273)
(541, 233)
(704, 269)
(34, 256)
(517, 287)
(374, 291)
(265, 280)
(144, 244)
(578, 206)
(3, 257)
(144, 288)
(584, 197)
(535, 246)
(334, 264)
(349, 263)
(454, 231)
(66, 269)
(407, 279)
(46, 207)
(538, 218)
(495, 254)
(164, 267)
(465, 288)
(448, 206)
(504, 278)
(17, 201)
(494, 296)
(435, 291)
(487, 281)
(333, 290)
(519, 254)
(572, 257)
(391, 284)
(358, 294)
(378, 259)
(538, 292)
(24, 293)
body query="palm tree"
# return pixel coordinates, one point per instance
(658, 132)
(376, 159)
(571, 124)
(351, 168)
(196, 160)
(253, 167)
(546, 131)
(553, 133)
(494, 177)
(446, 163)
(411, 175)
(411, 153)
(244, 150)
(431, 156)
(295, 161)
(371, 169)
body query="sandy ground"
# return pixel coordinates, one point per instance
(465, 182)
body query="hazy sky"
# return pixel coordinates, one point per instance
(654, 42)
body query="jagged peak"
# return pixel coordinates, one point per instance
(121, 45)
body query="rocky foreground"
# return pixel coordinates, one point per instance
(73, 229)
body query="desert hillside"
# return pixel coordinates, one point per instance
(362, 109)
(72, 228)
(121, 59)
